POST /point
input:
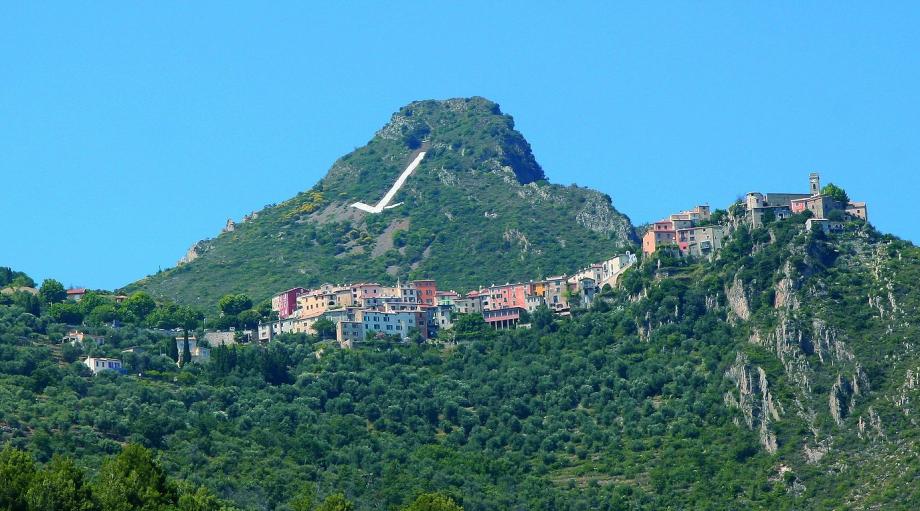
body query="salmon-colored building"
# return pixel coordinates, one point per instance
(660, 234)
(506, 296)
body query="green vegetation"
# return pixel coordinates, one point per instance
(132, 480)
(835, 192)
(476, 211)
(777, 376)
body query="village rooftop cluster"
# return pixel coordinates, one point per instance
(695, 233)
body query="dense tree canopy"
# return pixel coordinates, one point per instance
(636, 403)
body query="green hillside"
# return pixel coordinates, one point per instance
(782, 375)
(477, 210)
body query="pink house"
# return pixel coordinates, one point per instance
(286, 303)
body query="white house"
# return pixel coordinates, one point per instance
(100, 364)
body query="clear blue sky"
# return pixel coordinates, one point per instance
(130, 130)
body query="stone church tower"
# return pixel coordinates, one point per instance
(815, 181)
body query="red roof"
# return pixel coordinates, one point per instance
(77, 291)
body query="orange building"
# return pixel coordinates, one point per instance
(427, 291)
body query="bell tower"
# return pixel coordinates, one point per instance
(814, 180)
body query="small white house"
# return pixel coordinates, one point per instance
(100, 364)
(76, 337)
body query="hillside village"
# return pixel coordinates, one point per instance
(419, 310)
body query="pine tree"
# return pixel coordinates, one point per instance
(172, 349)
(186, 351)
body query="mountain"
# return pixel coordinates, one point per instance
(477, 210)
(781, 375)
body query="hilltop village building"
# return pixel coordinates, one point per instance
(687, 233)
(760, 206)
(691, 233)
(417, 309)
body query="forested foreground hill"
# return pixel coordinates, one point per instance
(782, 375)
(477, 210)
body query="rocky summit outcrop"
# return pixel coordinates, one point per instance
(477, 209)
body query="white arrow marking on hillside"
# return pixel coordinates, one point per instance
(383, 204)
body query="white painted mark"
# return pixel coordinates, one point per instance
(385, 201)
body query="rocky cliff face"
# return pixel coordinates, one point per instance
(833, 337)
(821, 358)
(476, 210)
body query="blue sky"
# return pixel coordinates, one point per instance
(132, 130)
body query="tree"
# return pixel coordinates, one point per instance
(837, 193)
(249, 319)
(133, 481)
(199, 499)
(233, 305)
(186, 351)
(543, 319)
(90, 301)
(324, 328)
(23, 280)
(172, 349)
(66, 312)
(415, 336)
(470, 327)
(104, 313)
(274, 363)
(718, 216)
(6, 276)
(164, 316)
(433, 502)
(140, 304)
(61, 486)
(304, 499)
(29, 302)
(17, 469)
(336, 502)
(52, 291)
(187, 319)
(223, 322)
(265, 310)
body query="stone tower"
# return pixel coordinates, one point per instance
(815, 181)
